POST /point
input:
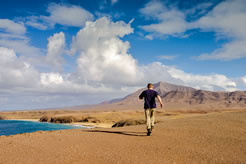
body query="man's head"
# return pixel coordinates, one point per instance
(150, 86)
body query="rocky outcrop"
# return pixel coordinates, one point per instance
(68, 119)
(62, 119)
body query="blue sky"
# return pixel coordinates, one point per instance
(67, 52)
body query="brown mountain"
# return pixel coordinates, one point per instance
(176, 97)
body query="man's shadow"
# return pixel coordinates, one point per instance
(128, 133)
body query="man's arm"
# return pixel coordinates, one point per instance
(141, 96)
(159, 99)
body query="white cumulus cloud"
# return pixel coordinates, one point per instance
(24, 87)
(14, 72)
(51, 78)
(12, 36)
(21, 46)
(208, 82)
(227, 19)
(171, 21)
(36, 22)
(12, 27)
(104, 56)
(157, 71)
(67, 15)
(229, 51)
(56, 47)
(244, 79)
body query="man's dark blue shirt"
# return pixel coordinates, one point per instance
(149, 96)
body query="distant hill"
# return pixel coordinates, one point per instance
(177, 97)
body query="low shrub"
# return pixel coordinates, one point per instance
(90, 119)
(128, 123)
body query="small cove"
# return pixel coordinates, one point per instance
(12, 127)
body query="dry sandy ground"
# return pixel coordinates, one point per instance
(207, 138)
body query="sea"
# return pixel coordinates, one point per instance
(12, 127)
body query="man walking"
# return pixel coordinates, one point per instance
(149, 96)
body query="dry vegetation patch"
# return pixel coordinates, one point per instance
(2, 117)
(128, 123)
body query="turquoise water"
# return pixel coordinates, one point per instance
(12, 127)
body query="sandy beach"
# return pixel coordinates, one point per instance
(35, 120)
(205, 138)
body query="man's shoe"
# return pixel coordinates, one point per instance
(152, 127)
(148, 132)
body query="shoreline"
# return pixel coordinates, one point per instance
(85, 124)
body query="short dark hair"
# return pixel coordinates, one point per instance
(150, 85)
